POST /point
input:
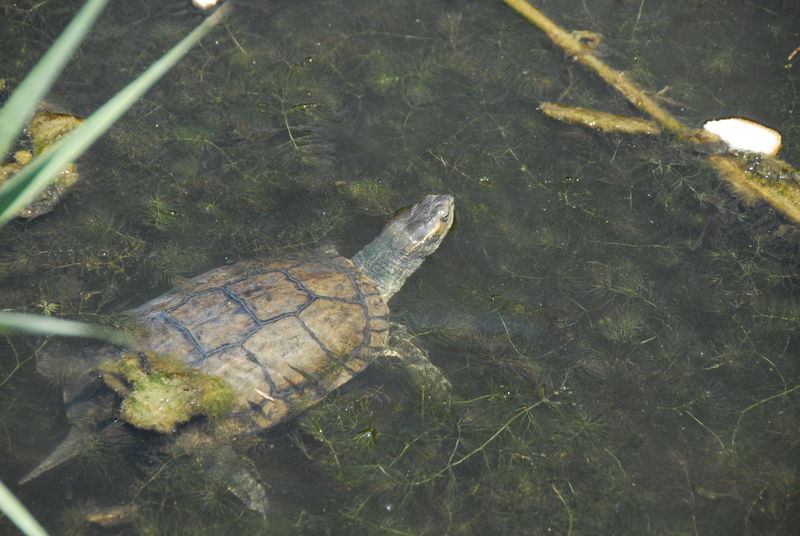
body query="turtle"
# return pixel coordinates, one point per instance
(279, 335)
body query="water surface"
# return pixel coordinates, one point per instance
(620, 331)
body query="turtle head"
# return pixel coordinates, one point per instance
(412, 234)
(418, 229)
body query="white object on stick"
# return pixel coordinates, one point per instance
(745, 135)
(205, 4)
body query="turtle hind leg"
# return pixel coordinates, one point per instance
(77, 440)
(227, 468)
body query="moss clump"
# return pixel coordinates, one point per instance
(161, 392)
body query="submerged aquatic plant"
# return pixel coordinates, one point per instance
(298, 120)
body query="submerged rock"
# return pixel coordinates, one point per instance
(45, 129)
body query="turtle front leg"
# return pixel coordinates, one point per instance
(424, 374)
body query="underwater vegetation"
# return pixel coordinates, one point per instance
(620, 332)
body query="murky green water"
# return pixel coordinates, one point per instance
(621, 333)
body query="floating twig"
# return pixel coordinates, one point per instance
(599, 120)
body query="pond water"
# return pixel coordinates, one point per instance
(620, 331)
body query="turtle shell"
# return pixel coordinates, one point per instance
(282, 334)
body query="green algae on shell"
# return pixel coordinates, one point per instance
(160, 392)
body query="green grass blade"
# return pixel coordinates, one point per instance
(33, 178)
(17, 513)
(47, 325)
(22, 103)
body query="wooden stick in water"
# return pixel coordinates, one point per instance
(783, 194)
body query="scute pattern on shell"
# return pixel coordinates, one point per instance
(282, 334)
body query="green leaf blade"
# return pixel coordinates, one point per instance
(46, 326)
(17, 513)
